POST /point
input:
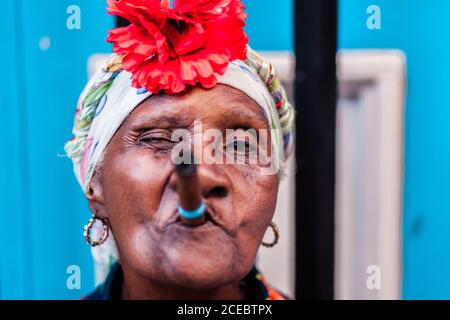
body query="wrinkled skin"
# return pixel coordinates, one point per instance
(136, 192)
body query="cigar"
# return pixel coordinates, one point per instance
(191, 208)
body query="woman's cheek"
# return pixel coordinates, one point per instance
(142, 166)
(133, 186)
(255, 209)
(133, 189)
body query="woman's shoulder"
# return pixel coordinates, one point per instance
(259, 289)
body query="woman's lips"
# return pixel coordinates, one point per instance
(207, 218)
(186, 230)
(208, 224)
(212, 219)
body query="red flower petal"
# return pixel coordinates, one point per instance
(170, 48)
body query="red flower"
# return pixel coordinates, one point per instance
(168, 47)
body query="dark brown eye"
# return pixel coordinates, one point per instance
(152, 140)
(240, 145)
(243, 146)
(157, 140)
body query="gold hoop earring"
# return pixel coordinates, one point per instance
(87, 231)
(276, 234)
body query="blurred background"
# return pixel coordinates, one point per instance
(388, 217)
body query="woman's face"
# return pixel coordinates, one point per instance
(136, 192)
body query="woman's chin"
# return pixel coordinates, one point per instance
(201, 264)
(200, 278)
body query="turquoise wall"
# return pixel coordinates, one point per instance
(42, 209)
(270, 24)
(422, 31)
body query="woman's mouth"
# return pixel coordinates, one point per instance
(207, 217)
(211, 221)
(208, 222)
(205, 230)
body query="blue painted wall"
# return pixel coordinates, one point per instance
(421, 30)
(42, 209)
(270, 24)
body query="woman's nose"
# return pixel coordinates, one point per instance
(213, 181)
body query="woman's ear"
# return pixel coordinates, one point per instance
(95, 198)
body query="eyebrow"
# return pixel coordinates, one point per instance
(245, 114)
(237, 115)
(159, 121)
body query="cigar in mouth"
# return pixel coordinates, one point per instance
(191, 208)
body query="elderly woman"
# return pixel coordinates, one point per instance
(182, 65)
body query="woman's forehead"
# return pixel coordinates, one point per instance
(221, 103)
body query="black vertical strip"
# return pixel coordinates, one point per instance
(315, 46)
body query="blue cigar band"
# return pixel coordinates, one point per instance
(194, 214)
